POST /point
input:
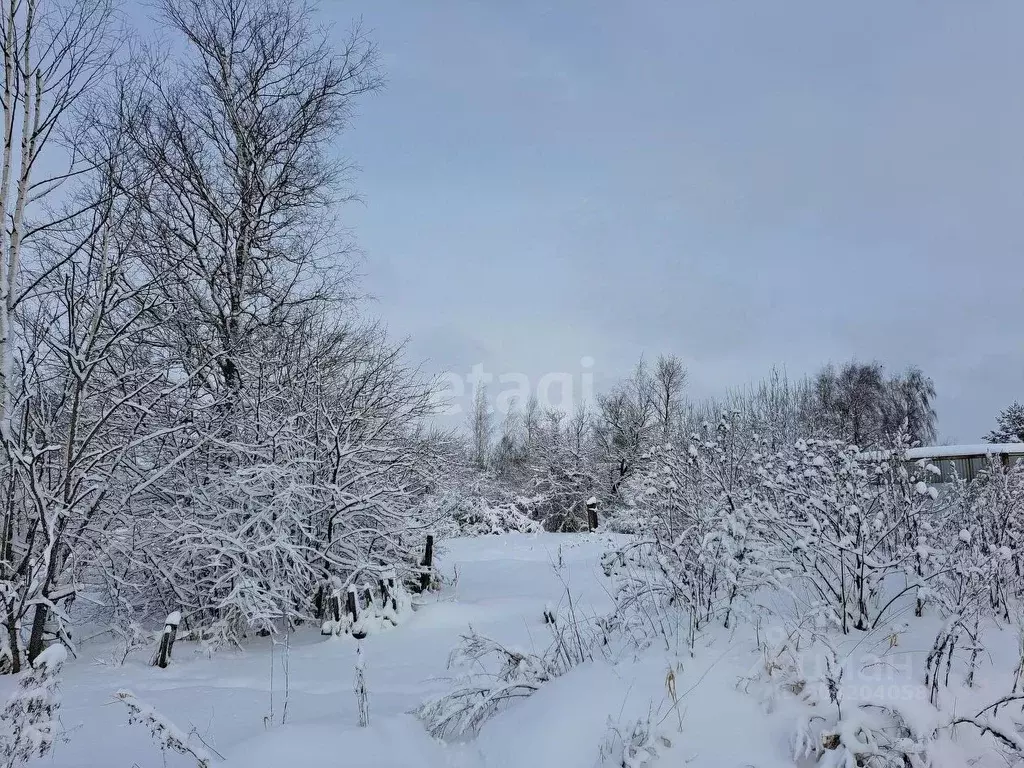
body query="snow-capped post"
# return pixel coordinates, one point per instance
(352, 608)
(592, 514)
(167, 638)
(352, 603)
(427, 564)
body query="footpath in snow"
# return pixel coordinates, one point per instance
(499, 585)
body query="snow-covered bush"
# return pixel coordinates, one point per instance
(853, 526)
(467, 503)
(844, 716)
(637, 743)
(475, 699)
(483, 517)
(985, 525)
(835, 725)
(508, 674)
(970, 587)
(28, 723)
(243, 543)
(851, 537)
(704, 548)
(624, 518)
(166, 735)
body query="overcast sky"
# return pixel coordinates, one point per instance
(739, 183)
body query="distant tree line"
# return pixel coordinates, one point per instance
(553, 462)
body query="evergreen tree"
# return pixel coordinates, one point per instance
(1011, 426)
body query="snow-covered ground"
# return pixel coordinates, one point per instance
(498, 585)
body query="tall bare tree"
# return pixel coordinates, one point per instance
(853, 400)
(858, 403)
(238, 134)
(911, 406)
(480, 427)
(667, 385)
(626, 418)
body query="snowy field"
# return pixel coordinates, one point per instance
(324, 456)
(710, 712)
(502, 586)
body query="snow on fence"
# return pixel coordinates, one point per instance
(344, 608)
(364, 611)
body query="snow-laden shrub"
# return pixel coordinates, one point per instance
(635, 743)
(478, 508)
(985, 525)
(478, 697)
(835, 726)
(840, 723)
(852, 526)
(28, 723)
(246, 545)
(624, 518)
(850, 537)
(166, 735)
(704, 548)
(480, 517)
(510, 674)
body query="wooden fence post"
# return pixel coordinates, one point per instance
(167, 638)
(428, 564)
(352, 603)
(592, 514)
(352, 608)
(318, 602)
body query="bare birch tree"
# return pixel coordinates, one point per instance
(54, 52)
